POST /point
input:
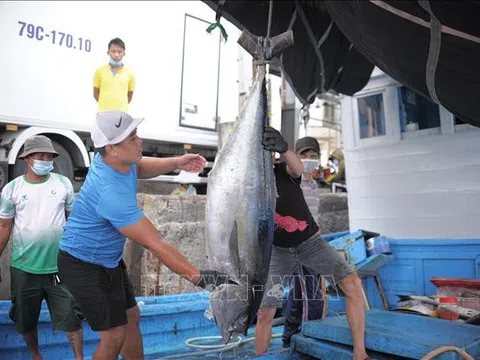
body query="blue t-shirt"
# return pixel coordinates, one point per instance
(106, 202)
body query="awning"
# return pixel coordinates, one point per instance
(432, 47)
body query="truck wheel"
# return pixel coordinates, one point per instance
(62, 164)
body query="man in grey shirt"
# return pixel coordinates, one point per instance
(305, 300)
(309, 151)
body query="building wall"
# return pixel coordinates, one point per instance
(421, 184)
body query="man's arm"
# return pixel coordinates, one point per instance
(7, 215)
(144, 233)
(96, 84)
(120, 208)
(96, 93)
(5, 231)
(70, 197)
(131, 86)
(294, 164)
(150, 167)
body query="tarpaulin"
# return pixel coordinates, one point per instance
(432, 47)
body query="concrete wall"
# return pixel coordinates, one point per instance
(333, 212)
(180, 220)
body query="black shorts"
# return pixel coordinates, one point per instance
(104, 295)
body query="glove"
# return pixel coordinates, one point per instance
(212, 279)
(273, 141)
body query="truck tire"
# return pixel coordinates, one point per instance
(62, 164)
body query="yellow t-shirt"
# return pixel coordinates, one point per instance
(114, 88)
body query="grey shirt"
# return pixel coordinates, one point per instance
(310, 193)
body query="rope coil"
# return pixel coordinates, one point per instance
(448, 348)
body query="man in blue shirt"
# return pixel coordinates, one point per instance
(105, 213)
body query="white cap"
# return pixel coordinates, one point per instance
(112, 127)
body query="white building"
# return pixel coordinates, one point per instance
(413, 168)
(324, 124)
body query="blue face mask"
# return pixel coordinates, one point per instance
(116, 63)
(42, 168)
(309, 165)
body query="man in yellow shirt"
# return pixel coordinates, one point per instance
(113, 84)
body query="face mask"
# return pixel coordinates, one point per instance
(336, 162)
(42, 168)
(116, 63)
(309, 165)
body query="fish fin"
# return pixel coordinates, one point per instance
(236, 236)
(404, 297)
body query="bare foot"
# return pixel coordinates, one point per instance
(37, 357)
(361, 356)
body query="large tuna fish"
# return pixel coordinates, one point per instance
(240, 215)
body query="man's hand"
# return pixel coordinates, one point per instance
(210, 279)
(191, 162)
(273, 141)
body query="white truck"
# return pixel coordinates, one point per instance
(186, 77)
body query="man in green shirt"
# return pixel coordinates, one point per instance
(33, 211)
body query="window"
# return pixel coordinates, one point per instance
(416, 111)
(200, 75)
(371, 115)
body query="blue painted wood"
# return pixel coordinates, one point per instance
(354, 244)
(332, 236)
(165, 322)
(319, 349)
(400, 334)
(417, 260)
(373, 263)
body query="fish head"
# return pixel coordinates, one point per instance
(230, 307)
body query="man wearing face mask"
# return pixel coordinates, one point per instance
(113, 83)
(297, 242)
(305, 299)
(105, 214)
(35, 206)
(338, 160)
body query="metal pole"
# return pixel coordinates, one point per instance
(290, 119)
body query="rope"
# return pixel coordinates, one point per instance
(433, 52)
(444, 349)
(210, 349)
(267, 68)
(270, 11)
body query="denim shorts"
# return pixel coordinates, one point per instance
(314, 253)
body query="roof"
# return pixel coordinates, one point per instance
(432, 47)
